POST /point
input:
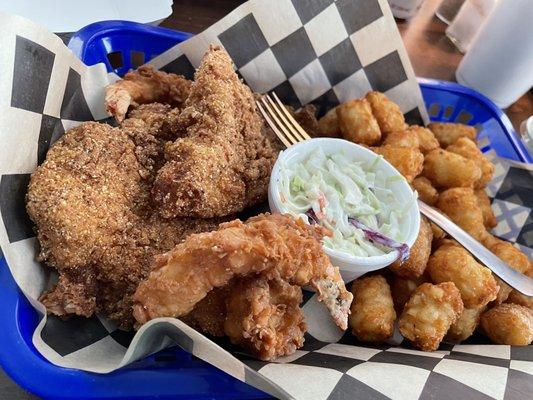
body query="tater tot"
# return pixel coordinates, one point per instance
(328, 125)
(468, 149)
(447, 170)
(419, 253)
(372, 312)
(402, 139)
(388, 114)
(461, 206)
(426, 192)
(357, 123)
(465, 325)
(402, 290)
(426, 138)
(509, 324)
(407, 160)
(516, 297)
(513, 257)
(452, 263)
(438, 235)
(489, 219)
(448, 133)
(429, 313)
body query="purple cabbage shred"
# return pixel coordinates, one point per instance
(313, 219)
(380, 238)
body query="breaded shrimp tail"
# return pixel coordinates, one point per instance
(275, 246)
(221, 161)
(145, 85)
(261, 315)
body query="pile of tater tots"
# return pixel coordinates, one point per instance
(441, 292)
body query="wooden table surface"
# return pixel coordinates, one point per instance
(431, 52)
(432, 55)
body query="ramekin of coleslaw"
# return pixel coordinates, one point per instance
(363, 200)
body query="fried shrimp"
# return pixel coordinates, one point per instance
(145, 85)
(256, 313)
(270, 245)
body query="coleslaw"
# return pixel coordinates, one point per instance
(350, 199)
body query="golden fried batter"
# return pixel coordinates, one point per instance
(90, 203)
(145, 85)
(264, 316)
(407, 160)
(258, 314)
(465, 326)
(429, 313)
(489, 219)
(447, 133)
(372, 313)
(508, 324)
(426, 192)
(468, 149)
(462, 207)
(357, 124)
(512, 256)
(516, 297)
(387, 113)
(271, 245)
(415, 265)
(452, 263)
(402, 289)
(448, 170)
(222, 162)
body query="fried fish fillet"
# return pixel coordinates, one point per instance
(90, 202)
(275, 246)
(221, 161)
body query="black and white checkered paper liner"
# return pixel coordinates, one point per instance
(317, 51)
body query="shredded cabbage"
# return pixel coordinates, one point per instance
(350, 199)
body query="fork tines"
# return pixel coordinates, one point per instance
(280, 120)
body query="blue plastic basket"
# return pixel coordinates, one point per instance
(174, 373)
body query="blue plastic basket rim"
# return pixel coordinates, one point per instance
(12, 339)
(500, 116)
(82, 39)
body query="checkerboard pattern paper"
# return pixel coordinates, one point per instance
(318, 51)
(284, 46)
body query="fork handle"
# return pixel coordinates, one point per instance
(513, 278)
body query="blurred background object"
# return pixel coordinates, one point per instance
(448, 9)
(499, 63)
(405, 9)
(468, 21)
(526, 129)
(72, 15)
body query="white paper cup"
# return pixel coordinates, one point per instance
(499, 63)
(351, 267)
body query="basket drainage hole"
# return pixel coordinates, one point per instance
(434, 109)
(464, 117)
(137, 58)
(448, 112)
(115, 59)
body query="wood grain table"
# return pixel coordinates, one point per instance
(431, 53)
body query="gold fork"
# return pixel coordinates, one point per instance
(290, 132)
(281, 121)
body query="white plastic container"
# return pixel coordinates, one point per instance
(405, 9)
(499, 64)
(351, 267)
(466, 25)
